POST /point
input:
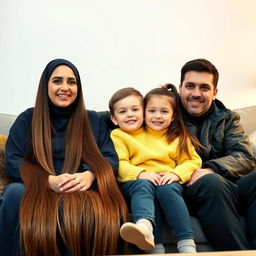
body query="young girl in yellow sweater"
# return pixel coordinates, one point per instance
(155, 159)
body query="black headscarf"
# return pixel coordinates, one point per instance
(50, 67)
(57, 62)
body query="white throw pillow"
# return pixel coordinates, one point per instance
(252, 139)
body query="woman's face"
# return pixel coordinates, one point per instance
(62, 86)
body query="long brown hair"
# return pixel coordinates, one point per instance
(87, 223)
(177, 127)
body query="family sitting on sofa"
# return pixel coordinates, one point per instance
(63, 198)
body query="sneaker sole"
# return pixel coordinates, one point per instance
(131, 233)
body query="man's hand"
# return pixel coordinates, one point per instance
(197, 174)
(66, 183)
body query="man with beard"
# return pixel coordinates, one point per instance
(224, 188)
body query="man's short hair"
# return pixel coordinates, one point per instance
(200, 65)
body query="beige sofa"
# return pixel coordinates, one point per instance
(248, 120)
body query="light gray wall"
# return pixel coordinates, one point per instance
(119, 43)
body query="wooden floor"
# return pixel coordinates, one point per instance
(226, 253)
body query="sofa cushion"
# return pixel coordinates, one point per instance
(3, 139)
(248, 119)
(252, 139)
(2, 171)
(6, 121)
(3, 179)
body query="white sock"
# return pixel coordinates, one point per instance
(159, 249)
(146, 224)
(186, 246)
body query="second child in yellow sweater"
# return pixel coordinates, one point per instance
(154, 161)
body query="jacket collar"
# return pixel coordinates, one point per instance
(216, 112)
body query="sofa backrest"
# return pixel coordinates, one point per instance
(6, 122)
(248, 120)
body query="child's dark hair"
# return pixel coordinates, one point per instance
(177, 127)
(121, 94)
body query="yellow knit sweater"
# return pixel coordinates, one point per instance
(148, 150)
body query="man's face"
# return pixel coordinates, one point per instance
(197, 92)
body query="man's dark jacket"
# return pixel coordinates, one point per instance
(227, 150)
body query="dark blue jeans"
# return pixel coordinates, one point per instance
(9, 219)
(140, 195)
(170, 198)
(143, 196)
(214, 201)
(247, 204)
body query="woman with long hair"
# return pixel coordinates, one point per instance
(64, 199)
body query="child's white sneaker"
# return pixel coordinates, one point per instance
(138, 235)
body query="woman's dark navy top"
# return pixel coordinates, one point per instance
(19, 136)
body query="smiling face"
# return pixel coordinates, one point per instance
(62, 86)
(197, 92)
(158, 112)
(128, 113)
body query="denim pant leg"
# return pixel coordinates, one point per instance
(247, 204)
(9, 219)
(213, 199)
(175, 210)
(141, 195)
(158, 223)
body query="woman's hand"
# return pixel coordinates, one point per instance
(67, 183)
(56, 180)
(168, 178)
(81, 182)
